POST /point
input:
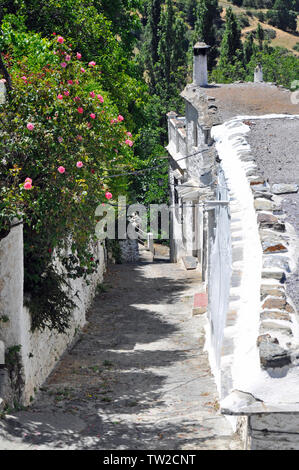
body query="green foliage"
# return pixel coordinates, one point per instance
(206, 27)
(248, 48)
(243, 20)
(278, 66)
(231, 45)
(191, 12)
(12, 355)
(69, 122)
(260, 36)
(282, 16)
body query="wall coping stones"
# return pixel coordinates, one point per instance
(284, 188)
(273, 319)
(276, 311)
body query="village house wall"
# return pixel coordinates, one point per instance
(39, 351)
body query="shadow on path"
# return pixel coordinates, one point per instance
(137, 378)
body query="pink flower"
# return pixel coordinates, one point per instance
(77, 82)
(66, 93)
(79, 164)
(63, 64)
(100, 98)
(78, 55)
(92, 94)
(77, 98)
(60, 139)
(60, 97)
(129, 142)
(80, 110)
(28, 180)
(67, 57)
(92, 115)
(79, 137)
(120, 118)
(61, 169)
(108, 195)
(30, 126)
(60, 40)
(24, 78)
(129, 134)
(70, 82)
(82, 70)
(27, 185)
(92, 63)
(88, 125)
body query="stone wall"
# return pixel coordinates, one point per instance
(258, 376)
(30, 356)
(129, 251)
(273, 432)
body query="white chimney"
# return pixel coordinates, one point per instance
(258, 74)
(200, 64)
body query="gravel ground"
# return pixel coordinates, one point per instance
(275, 144)
(251, 99)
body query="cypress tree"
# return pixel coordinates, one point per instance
(151, 40)
(248, 49)
(231, 45)
(260, 36)
(208, 17)
(191, 12)
(172, 51)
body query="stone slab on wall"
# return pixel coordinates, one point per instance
(274, 431)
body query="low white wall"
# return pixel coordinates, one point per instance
(250, 382)
(40, 350)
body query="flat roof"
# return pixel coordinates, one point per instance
(251, 98)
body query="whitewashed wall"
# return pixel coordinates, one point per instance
(40, 351)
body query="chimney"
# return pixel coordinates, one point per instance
(200, 65)
(258, 73)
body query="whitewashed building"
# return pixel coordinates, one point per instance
(226, 222)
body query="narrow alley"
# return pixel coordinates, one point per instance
(137, 378)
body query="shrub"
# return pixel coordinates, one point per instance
(243, 20)
(60, 139)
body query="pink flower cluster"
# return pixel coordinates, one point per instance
(28, 183)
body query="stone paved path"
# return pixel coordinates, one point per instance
(138, 377)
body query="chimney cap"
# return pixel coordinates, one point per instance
(201, 45)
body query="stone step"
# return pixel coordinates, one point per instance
(190, 262)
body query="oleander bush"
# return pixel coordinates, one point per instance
(60, 139)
